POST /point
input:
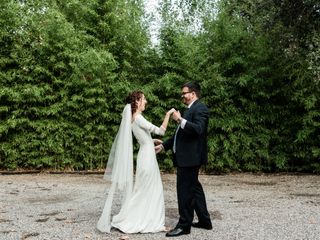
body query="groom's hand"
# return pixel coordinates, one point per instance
(157, 141)
(177, 116)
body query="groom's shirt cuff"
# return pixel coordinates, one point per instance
(183, 123)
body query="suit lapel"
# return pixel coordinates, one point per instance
(188, 111)
(185, 113)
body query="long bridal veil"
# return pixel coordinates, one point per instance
(119, 168)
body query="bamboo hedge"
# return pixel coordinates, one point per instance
(66, 67)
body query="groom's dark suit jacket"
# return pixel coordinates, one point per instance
(191, 141)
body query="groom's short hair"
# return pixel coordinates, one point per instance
(193, 87)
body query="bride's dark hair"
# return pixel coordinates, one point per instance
(132, 98)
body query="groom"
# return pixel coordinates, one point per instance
(189, 146)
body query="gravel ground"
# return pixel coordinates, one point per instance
(242, 206)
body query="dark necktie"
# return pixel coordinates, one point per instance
(175, 135)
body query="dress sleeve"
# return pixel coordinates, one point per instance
(145, 124)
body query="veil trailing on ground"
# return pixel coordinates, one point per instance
(119, 168)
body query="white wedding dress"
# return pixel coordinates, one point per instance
(143, 211)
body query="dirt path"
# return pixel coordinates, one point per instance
(243, 206)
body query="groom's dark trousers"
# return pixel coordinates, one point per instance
(190, 197)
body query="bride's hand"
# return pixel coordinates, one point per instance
(158, 148)
(172, 110)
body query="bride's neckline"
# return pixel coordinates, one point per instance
(135, 117)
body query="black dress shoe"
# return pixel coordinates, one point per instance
(207, 226)
(177, 232)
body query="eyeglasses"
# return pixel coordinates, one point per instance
(184, 93)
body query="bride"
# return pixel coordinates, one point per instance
(142, 204)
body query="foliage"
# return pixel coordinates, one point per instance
(55, 83)
(257, 64)
(66, 66)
